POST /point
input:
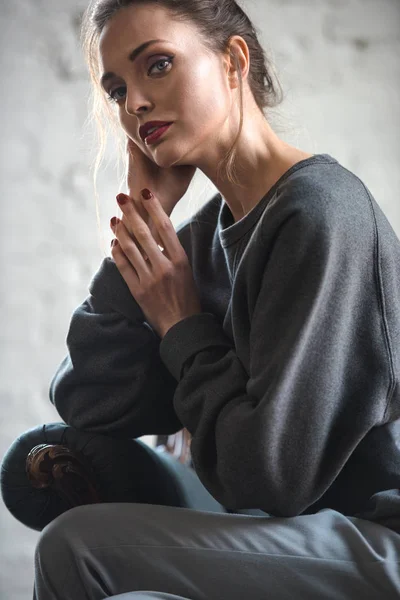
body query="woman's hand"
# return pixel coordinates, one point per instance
(163, 285)
(168, 185)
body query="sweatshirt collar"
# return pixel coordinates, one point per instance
(231, 232)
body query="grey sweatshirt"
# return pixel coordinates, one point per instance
(288, 380)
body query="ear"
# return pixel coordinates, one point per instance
(239, 59)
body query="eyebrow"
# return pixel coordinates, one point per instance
(132, 57)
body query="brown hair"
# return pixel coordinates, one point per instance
(216, 21)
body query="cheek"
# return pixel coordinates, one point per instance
(202, 99)
(125, 122)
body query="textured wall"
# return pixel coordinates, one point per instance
(338, 62)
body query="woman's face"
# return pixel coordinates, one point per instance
(175, 80)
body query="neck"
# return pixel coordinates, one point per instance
(261, 160)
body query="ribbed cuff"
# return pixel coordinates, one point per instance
(188, 337)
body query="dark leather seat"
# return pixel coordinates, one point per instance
(52, 468)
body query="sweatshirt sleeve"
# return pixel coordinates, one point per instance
(112, 380)
(276, 435)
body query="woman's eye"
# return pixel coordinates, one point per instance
(164, 60)
(112, 95)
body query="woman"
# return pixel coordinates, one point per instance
(268, 326)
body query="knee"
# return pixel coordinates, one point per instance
(56, 541)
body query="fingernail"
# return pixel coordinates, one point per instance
(114, 221)
(122, 199)
(147, 195)
(114, 243)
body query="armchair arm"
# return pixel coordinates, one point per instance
(52, 468)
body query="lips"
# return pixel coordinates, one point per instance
(145, 129)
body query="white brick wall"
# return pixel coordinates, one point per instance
(339, 65)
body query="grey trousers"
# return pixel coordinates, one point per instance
(145, 552)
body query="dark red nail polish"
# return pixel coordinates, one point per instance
(147, 195)
(114, 221)
(122, 199)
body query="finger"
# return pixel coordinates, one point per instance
(125, 267)
(129, 247)
(138, 205)
(141, 230)
(145, 216)
(155, 235)
(164, 228)
(129, 229)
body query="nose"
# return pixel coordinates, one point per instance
(135, 106)
(135, 112)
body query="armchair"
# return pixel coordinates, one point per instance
(52, 468)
